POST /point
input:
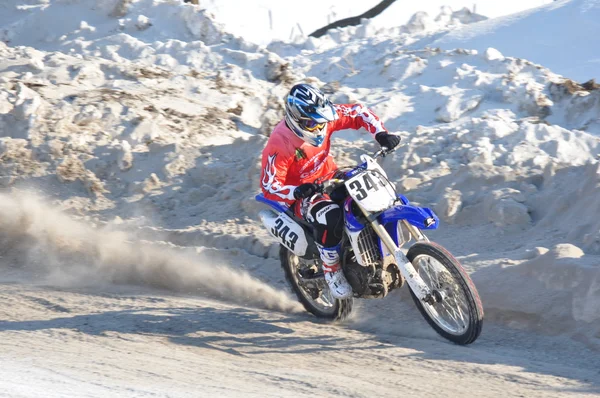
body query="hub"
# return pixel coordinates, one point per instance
(436, 296)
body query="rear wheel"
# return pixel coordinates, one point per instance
(455, 310)
(311, 289)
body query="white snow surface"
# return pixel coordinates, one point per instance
(544, 35)
(262, 21)
(132, 259)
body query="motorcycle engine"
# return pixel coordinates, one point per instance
(367, 284)
(357, 275)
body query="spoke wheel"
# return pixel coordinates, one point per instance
(455, 309)
(314, 294)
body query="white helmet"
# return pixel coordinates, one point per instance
(307, 112)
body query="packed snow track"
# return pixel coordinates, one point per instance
(58, 343)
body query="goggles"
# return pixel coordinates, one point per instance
(311, 125)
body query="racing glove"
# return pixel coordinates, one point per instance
(305, 190)
(390, 141)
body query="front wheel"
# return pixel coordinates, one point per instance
(311, 289)
(454, 310)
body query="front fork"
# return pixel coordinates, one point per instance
(408, 271)
(415, 232)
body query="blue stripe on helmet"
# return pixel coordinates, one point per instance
(318, 117)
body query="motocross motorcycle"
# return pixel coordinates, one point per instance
(378, 224)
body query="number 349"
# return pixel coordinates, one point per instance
(363, 192)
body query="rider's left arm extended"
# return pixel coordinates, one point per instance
(356, 116)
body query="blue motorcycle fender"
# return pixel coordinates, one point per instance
(420, 217)
(275, 205)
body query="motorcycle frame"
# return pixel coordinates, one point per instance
(413, 218)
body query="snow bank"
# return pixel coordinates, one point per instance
(558, 35)
(419, 27)
(155, 32)
(565, 203)
(556, 291)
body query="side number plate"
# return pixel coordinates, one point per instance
(282, 231)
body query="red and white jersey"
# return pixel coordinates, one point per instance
(288, 161)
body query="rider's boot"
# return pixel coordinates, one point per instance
(334, 276)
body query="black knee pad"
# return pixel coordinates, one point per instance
(327, 220)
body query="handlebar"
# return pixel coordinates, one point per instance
(329, 183)
(383, 152)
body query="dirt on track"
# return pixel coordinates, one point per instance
(136, 342)
(90, 311)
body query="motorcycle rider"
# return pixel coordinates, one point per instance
(297, 154)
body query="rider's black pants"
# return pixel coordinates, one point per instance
(325, 216)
